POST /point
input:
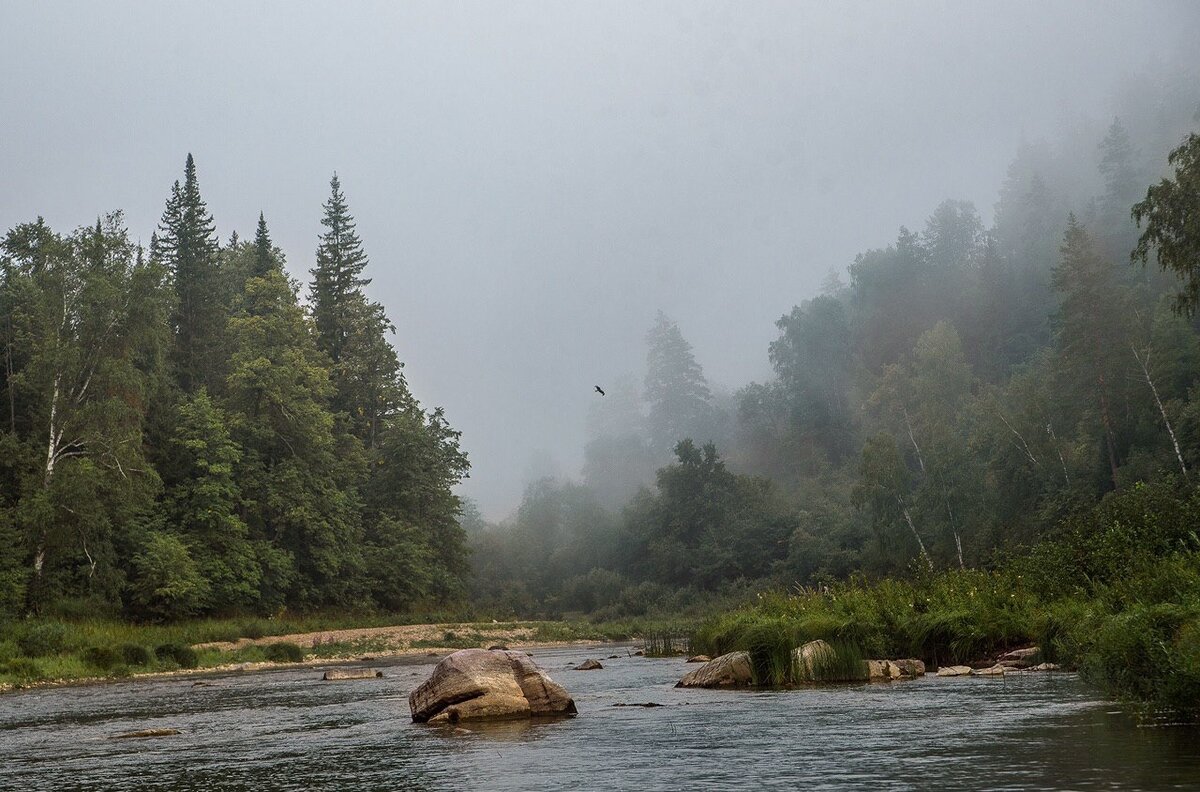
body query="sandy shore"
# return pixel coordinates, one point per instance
(358, 645)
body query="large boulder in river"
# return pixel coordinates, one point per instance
(728, 670)
(481, 684)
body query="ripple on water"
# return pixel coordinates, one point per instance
(286, 730)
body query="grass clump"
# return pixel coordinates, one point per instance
(283, 652)
(177, 654)
(42, 638)
(102, 658)
(135, 654)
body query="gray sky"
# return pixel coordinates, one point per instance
(533, 180)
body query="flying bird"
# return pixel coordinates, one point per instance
(599, 390)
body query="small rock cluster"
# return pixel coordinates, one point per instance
(1016, 661)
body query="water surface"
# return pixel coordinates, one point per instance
(287, 730)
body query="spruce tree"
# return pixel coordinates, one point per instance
(264, 258)
(187, 244)
(337, 279)
(1093, 324)
(678, 395)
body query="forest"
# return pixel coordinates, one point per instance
(183, 436)
(951, 401)
(976, 436)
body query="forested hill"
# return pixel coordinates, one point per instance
(180, 436)
(967, 390)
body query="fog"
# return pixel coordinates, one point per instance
(534, 181)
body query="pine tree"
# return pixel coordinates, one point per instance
(187, 244)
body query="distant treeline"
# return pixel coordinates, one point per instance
(180, 436)
(968, 390)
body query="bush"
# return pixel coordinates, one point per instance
(42, 638)
(135, 654)
(283, 652)
(253, 629)
(181, 655)
(103, 658)
(23, 668)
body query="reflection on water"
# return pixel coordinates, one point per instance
(288, 730)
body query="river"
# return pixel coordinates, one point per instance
(285, 729)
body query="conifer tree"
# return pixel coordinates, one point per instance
(676, 391)
(1093, 331)
(264, 259)
(337, 282)
(187, 244)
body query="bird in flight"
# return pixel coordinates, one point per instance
(599, 390)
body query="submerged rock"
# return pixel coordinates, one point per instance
(957, 670)
(1045, 667)
(996, 670)
(728, 670)
(699, 659)
(338, 674)
(484, 684)
(144, 733)
(589, 665)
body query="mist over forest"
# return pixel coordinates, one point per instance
(964, 391)
(604, 312)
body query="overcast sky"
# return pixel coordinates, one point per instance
(532, 181)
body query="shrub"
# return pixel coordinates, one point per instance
(181, 655)
(103, 658)
(135, 654)
(253, 629)
(43, 638)
(23, 668)
(283, 652)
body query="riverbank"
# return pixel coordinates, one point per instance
(44, 654)
(1116, 596)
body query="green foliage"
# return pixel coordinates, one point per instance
(1172, 235)
(42, 638)
(102, 658)
(166, 579)
(283, 652)
(181, 655)
(135, 654)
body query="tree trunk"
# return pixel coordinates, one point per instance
(1145, 364)
(1108, 432)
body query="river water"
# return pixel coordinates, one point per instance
(285, 729)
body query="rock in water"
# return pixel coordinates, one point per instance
(728, 670)
(812, 660)
(699, 659)
(996, 670)
(144, 733)
(482, 684)
(337, 674)
(589, 665)
(958, 670)
(887, 670)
